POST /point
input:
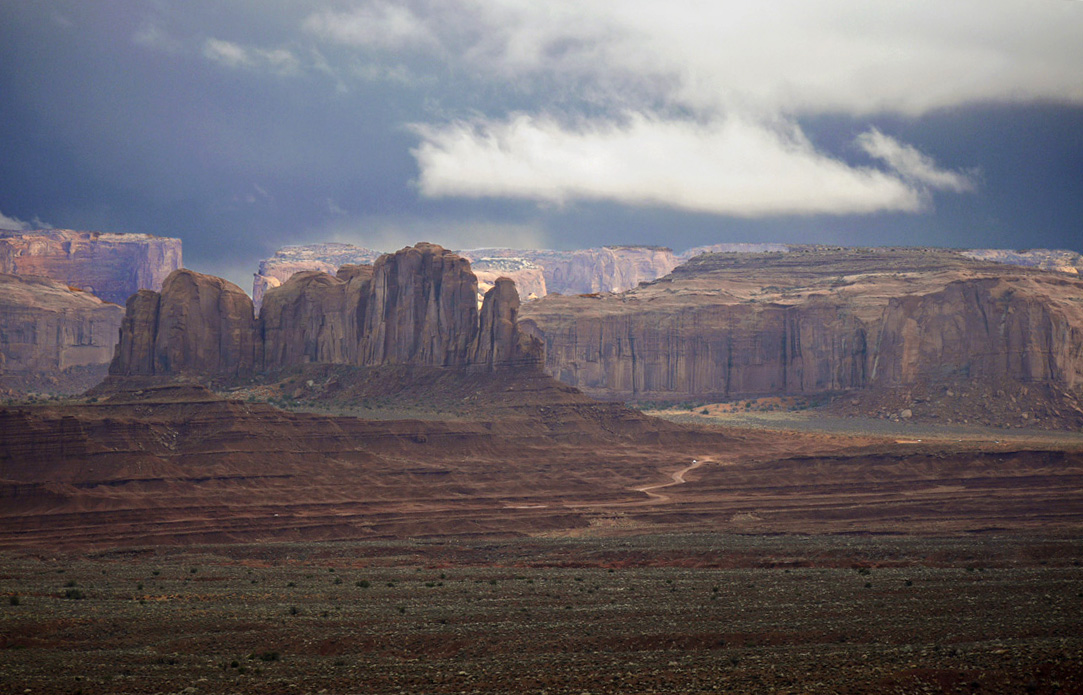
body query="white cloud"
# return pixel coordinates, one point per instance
(732, 167)
(151, 35)
(911, 164)
(14, 223)
(717, 88)
(233, 55)
(793, 56)
(380, 25)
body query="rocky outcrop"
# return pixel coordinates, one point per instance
(48, 327)
(732, 248)
(1059, 260)
(414, 307)
(198, 324)
(110, 266)
(814, 320)
(288, 261)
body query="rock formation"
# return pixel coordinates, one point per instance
(48, 327)
(811, 321)
(110, 266)
(414, 307)
(198, 324)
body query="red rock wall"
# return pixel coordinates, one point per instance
(708, 352)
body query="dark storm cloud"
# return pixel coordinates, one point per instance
(243, 126)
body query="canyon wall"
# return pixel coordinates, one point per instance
(110, 266)
(414, 307)
(48, 327)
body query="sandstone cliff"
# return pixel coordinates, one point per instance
(48, 327)
(414, 307)
(110, 266)
(812, 321)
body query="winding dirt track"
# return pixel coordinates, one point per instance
(677, 479)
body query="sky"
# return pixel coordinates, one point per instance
(244, 126)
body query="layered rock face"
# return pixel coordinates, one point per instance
(48, 327)
(110, 266)
(415, 307)
(814, 320)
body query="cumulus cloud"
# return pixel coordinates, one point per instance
(749, 72)
(233, 55)
(911, 164)
(732, 167)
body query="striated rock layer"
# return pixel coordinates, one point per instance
(815, 320)
(414, 307)
(111, 266)
(48, 327)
